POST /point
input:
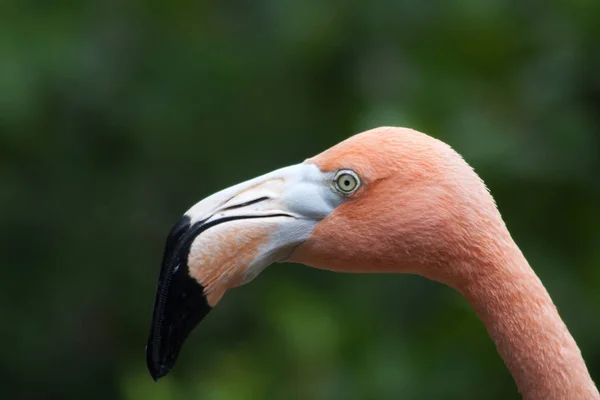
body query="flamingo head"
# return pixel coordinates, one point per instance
(385, 200)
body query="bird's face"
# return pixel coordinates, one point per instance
(367, 204)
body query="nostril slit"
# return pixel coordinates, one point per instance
(248, 203)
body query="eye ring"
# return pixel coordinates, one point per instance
(346, 182)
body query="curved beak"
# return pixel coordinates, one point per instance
(226, 240)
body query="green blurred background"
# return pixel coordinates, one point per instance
(116, 117)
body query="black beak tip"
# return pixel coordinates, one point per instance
(156, 369)
(180, 302)
(156, 374)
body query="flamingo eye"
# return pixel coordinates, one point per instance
(347, 182)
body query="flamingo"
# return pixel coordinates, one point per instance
(388, 200)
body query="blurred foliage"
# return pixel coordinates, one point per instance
(115, 117)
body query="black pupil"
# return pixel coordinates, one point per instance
(347, 182)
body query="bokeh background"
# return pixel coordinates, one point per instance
(115, 117)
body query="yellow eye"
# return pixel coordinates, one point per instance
(347, 182)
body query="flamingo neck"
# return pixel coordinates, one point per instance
(529, 334)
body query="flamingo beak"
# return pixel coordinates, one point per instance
(226, 240)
